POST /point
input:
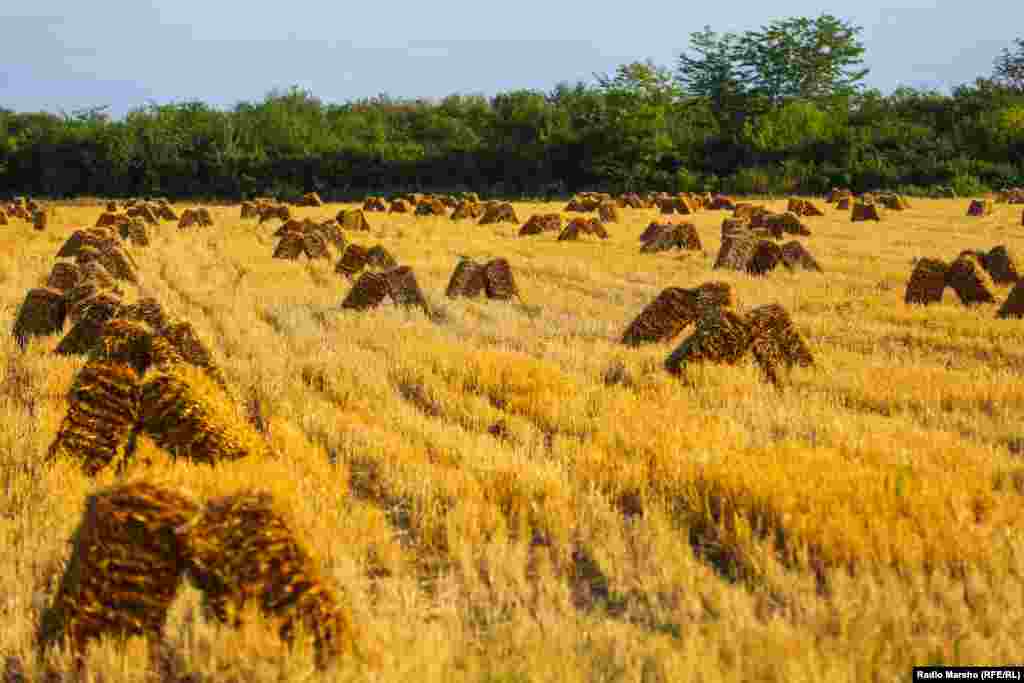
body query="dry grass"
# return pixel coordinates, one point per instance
(491, 508)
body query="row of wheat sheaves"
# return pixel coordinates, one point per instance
(149, 374)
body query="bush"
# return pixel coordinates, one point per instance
(819, 184)
(998, 175)
(874, 176)
(913, 191)
(687, 181)
(966, 185)
(711, 183)
(749, 181)
(835, 176)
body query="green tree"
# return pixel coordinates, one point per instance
(791, 127)
(520, 135)
(293, 123)
(802, 58)
(644, 80)
(712, 77)
(632, 135)
(1008, 68)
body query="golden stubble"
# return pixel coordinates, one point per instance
(503, 491)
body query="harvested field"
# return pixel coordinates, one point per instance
(506, 491)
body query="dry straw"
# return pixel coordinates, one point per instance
(111, 218)
(190, 416)
(746, 210)
(795, 205)
(291, 225)
(583, 226)
(352, 261)
(674, 236)
(249, 210)
(369, 291)
(91, 315)
(125, 567)
(499, 213)
(83, 291)
(379, 257)
(1003, 265)
(467, 209)
(682, 205)
(103, 410)
(499, 282)
(147, 310)
(803, 207)
(721, 336)
(970, 281)
(893, 202)
(467, 280)
(96, 272)
(289, 247)
(191, 348)
(85, 295)
(106, 252)
(540, 223)
(608, 212)
(375, 204)
(64, 276)
(864, 212)
(980, 207)
(431, 207)
(736, 252)
(785, 223)
(144, 212)
(653, 229)
(796, 257)
(278, 211)
(119, 264)
(98, 238)
(766, 258)
(722, 203)
(674, 309)
(404, 289)
(837, 193)
(165, 212)
(356, 220)
(135, 232)
(332, 233)
(314, 246)
(1013, 307)
(759, 216)
(775, 342)
(243, 550)
(127, 342)
(630, 200)
(41, 314)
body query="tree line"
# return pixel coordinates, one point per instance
(777, 110)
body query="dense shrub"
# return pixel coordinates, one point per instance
(620, 136)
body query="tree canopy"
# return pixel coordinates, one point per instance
(782, 108)
(1009, 66)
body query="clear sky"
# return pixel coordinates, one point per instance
(67, 54)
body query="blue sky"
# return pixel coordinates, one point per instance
(66, 54)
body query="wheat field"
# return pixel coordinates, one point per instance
(503, 492)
